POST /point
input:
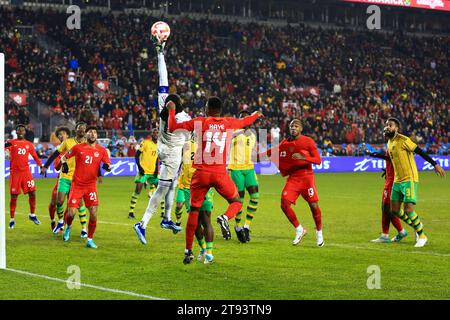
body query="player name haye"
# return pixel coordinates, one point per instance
(226, 309)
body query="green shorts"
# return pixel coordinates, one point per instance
(64, 185)
(150, 178)
(244, 178)
(404, 191)
(184, 196)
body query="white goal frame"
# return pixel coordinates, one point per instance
(2, 165)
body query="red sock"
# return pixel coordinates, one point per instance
(397, 223)
(65, 213)
(12, 207)
(32, 202)
(385, 222)
(51, 211)
(233, 209)
(191, 226)
(91, 228)
(317, 216)
(290, 214)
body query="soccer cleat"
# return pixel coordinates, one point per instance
(53, 225)
(175, 231)
(34, 219)
(247, 234)
(421, 242)
(170, 225)
(400, 236)
(382, 239)
(58, 227)
(66, 235)
(240, 234)
(84, 234)
(140, 232)
(223, 223)
(188, 257)
(209, 258)
(90, 244)
(131, 216)
(12, 224)
(319, 238)
(201, 255)
(298, 236)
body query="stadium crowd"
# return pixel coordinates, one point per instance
(359, 78)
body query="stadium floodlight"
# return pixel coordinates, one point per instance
(2, 164)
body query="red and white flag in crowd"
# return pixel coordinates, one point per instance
(19, 98)
(102, 85)
(315, 91)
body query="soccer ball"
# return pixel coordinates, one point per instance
(161, 30)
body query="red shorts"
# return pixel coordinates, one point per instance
(387, 193)
(87, 193)
(55, 190)
(202, 181)
(304, 186)
(21, 180)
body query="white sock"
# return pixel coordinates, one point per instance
(246, 226)
(299, 229)
(155, 202)
(385, 235)
(60, 221)
(32, 215)
(168, 201)
(11, 219)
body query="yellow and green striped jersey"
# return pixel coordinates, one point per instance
(68, 144)
(401, 151)
(149, 156)
(184, 181)
(241, 151)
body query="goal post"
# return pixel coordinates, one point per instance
(2, 165)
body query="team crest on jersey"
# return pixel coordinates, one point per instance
(13, 189)
(27, 147)
(74, 201)
(96, 154)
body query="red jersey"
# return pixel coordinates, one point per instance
(216, 134)
(87, 162)
(19, 151)
(291, 167)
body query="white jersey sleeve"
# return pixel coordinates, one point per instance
(163, 90)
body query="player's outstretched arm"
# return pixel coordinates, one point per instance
(172, 123)
(246, 121)
(378, 155)
(49, 161)
(35, 156)
(163, 90)
(437, 168)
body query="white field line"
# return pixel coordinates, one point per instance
(134, 294)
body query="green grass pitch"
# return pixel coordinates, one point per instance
(269, 267)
